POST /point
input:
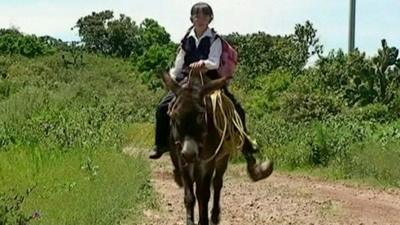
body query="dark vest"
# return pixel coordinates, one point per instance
(193, 54)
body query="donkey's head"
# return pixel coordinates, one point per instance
(189, 127)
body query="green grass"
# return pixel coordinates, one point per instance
(77, 187)
(140, 134)
(379, 161)
(62, 130)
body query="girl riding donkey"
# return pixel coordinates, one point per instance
(201, 49)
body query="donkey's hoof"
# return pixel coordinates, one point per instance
(214, 222)
(261, 171)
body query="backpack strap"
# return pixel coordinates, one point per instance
(215, 36)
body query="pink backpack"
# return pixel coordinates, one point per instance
(228, 61)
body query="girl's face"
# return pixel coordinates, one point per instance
(201, 21)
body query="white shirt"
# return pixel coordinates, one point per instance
(211, 63)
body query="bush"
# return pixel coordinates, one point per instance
(153, 63)
(377, 112)
(46, 104)
(305, 107)
(265, 95)
(374, 160)
(28, 45)
(361, 80)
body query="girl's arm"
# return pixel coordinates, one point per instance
(213, 60)
(212, 63)
(179, 60)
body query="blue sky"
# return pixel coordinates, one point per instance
(375, 19)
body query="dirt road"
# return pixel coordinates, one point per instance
(281, 199)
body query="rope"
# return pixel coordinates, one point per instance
(204, 99)
(221, 132)
(228, 124)
(223, 108)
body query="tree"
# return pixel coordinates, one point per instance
(153, 62)
(385, 71)
(254, 52)
(120, 37)
(93, 30)
(123, 36)
(26, 45)
(13, 31)
(305, 38)
(151, 33)
(261, 53)
(293, 51)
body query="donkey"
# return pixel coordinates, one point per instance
(194, 140)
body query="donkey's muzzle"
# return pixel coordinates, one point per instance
(190, 150)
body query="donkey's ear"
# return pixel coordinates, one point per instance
(214, 85)
(170, 83)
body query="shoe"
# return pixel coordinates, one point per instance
(260, 171)
(156, 153)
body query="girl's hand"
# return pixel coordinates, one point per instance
(198, 65)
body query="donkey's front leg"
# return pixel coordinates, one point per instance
(218, 182)
(189, 204)
(203, 196)
(189, 198)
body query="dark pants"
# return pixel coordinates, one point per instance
(163, 125)
(162, 122)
